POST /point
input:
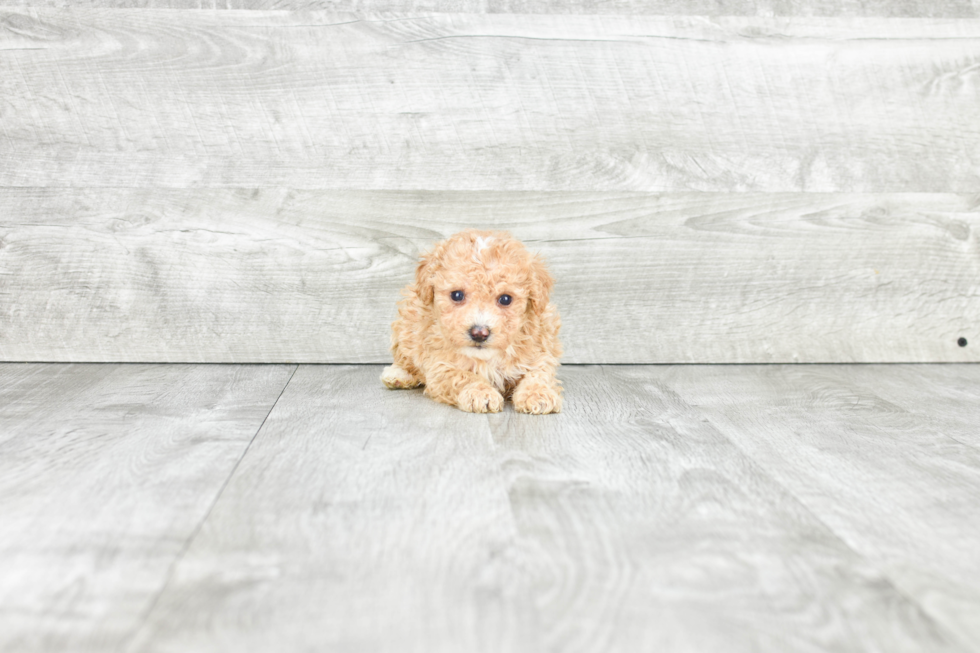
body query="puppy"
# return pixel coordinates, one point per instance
(477, 326)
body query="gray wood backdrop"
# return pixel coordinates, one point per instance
(798, 183)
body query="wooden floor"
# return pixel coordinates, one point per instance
(669, 508)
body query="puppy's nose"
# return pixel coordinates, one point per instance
(479, 333)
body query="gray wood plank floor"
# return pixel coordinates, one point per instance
(672, 508)
(105, 472)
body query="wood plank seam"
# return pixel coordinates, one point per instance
(854, 418)
(882, 570)
(197, 529)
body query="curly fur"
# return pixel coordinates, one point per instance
(431, 341)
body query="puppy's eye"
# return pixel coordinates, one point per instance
(505, 300)
(457, 296)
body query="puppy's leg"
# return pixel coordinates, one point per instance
(538, 393)
(394, 376)
(463, 389)
(401, 373)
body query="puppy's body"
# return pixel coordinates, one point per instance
(477, 326)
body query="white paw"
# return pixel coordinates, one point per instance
(480, 398)
(537, 399)
(395, 377)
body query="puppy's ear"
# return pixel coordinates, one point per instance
(541, 284)
(423, 279)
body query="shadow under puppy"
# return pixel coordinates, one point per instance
(477, 326)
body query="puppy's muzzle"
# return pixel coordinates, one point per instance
(479, 333)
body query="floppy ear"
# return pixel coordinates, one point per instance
(541, 284)
(423, 280)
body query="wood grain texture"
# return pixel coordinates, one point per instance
(105, 473)
(879, 454)
(156, 97)
(363, 519)
(643, 527)
(764, 8)
(942, 399)
(736, 508)
(217, 275)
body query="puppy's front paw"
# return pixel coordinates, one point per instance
(395, 377)
(480, 398)
(537, 399)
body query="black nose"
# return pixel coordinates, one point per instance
(479, 333)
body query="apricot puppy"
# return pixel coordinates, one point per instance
(477, 327)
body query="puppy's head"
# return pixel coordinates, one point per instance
(484, 289)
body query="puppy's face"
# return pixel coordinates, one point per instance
(482, 288)
(480, 316)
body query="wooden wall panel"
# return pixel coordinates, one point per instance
(255, 185)
(884, 8)
(173, 98)
(225, 275)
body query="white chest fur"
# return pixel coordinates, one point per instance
(490, 365)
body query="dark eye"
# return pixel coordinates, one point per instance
(457, 296)
(505, 300)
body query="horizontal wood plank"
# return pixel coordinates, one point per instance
(217, 275)
(155, 97)
(106, 472)
(884, 8)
